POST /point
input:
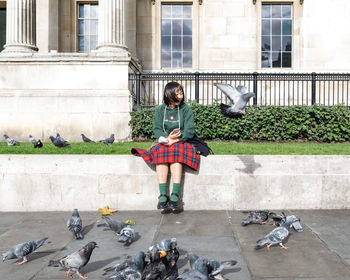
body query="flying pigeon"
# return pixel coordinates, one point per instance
(127, 235)
(256, 217)
(23, 250)
(108, 141)
(38, 144)
(114, 225)
(200, 272)
(131, 268)
(10, 142)
(239, 98)
(86, 140)
(157, 268)
(75, 224)
(31, 139)
(75, 261)
(214, 267)
(59, 141)
(278, 234)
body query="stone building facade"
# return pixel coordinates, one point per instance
(64, 64)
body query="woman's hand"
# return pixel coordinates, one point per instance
(175, 134)
(171, 141)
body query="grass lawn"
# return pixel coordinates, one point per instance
(219, 148)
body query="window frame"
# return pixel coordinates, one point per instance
(3, 7)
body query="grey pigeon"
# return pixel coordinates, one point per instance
(127, 235)
(256, 217)
(75, 261)
(200, 272)
(158, 268)
(10, 141)
(214, 267)
(38, 144)
(130, 269)
(239, 98)
(59, 142)
(114, 225)
(108, 141)
(75, 224)
(278, 234)
(165, 244)
(23, 250)
(86, 140)
(31, 139)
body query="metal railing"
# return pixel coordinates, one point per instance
(279, 89)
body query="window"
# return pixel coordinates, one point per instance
(276, 36)
(2, 28)
(87, 27)
(177, 36)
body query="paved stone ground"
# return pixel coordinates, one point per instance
(322, 251)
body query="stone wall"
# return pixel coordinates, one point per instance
(239, 182)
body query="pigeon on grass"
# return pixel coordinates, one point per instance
(38, 144)
(75, 225)
(131, 268)
(127, 235)
(75, 261)
(280, 233)
(114, 225)
(256, 217)
(108, 141)
(31, 139)
(86, 140)
(238, 96)
(10, 141)
(23, 250)
(59, 141)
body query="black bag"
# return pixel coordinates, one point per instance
(202, 147)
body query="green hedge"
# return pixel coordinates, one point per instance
(316, 123)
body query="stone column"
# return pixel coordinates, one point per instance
(111, 27)
(20, 27)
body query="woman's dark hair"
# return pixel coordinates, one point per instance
(170, 92)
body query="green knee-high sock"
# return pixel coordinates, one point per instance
(162, 190)
(176, 189)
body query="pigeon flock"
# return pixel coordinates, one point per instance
(58, 141)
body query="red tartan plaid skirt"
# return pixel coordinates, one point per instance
(179, 152)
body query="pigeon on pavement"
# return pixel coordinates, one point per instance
(31, 139)
(156, 269)
(108, 141)
(130, 269)
(86, 140)
(127, 235)
(278, 234)
(256, 217)
(214, 267)
(10, 141)
(59, 141)
(38, 144)
(165, 244)
(200, 272)
(75, 261)
(114, 225)
(75, 224)
(239, 98)
(23, 250)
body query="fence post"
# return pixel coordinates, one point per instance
(196, 86)
(138, 95)
(255, 89)
(313, 88)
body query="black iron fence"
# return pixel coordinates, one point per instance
(279, 89)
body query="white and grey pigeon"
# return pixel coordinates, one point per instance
(280, 233)
(75, 225)
(214, 267)
(23, 250)
(127, 235)
(256, 217)
(114, 225)
(108, 141)
(130, 269)
(86, 140)
(75, 261)
(10, 141)
(31, 139)
(59, 141)
(238, 96)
